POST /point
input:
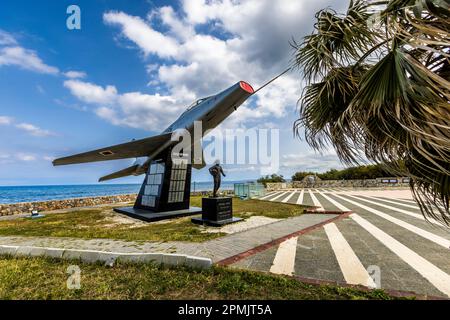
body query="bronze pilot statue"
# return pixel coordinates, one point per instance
(216, 211)
(217, 172)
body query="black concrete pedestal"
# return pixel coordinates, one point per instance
(216, 212)
(149, 216)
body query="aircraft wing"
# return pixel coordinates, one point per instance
(133, 149)
(119, 174)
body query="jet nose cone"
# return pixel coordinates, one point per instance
(246, 87)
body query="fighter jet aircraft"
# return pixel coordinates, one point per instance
(211, 111)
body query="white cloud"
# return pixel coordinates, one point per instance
(132, 109)
(25, 157)
(75, 74)
(5, 120)
(25, 59)
(247, 40)
(5, 158)
(205, 47)
(28, 127)
(6, 38)
(12, 54)
(34, 130)
(91, 93)
(311, 161)
(178, 28)
(135, 29)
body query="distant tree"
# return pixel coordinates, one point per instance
(352, 173)
(332, 174)
(271, 178)
(299, 176)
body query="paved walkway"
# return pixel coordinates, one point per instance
(217, 249)
(385, 243)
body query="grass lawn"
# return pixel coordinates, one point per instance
(248, 208)
(45, 278)
(103, 223)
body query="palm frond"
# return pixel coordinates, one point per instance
(396, 109)
(337, 40)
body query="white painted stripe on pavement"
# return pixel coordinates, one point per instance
(278, 196)
(300, 198)
(351, 267)
(417, 206)
(289, 197)
(315, 201)
(337, 204)
(423, 233)
(284, 261)
(409, 213)
(269, 195)
(415, 202)
(429, 271)
(408, 200)
(393, 202)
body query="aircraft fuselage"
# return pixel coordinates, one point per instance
(210, 111)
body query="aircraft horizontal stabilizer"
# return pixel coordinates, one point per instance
(119, 174)
(133, 149)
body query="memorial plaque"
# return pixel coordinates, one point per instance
(216, 212)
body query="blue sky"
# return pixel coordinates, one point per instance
(129, 72)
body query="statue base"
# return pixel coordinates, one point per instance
(216, 212)
(149, 216)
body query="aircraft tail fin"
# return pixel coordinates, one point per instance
(119, 174)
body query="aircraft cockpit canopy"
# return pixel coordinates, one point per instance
(196, 103)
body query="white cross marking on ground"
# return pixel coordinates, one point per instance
(408, 200)
(268, 195)
(429, 271)
(289, 197)
(423, 233)
(393, 202)
(351, 267)
(337, 204)
(409, 213)
(415, 205)
(278, 196)
(315, 201)
(300, 198)
(285, 258)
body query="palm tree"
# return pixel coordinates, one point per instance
(377, 89)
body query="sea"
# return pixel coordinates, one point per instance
(15, 194)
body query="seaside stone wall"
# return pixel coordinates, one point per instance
(367, 183)
(43, 206)
(279, 185)
(27, 207)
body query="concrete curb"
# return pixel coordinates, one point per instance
(109, 258)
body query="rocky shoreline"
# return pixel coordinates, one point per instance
(52, 205)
